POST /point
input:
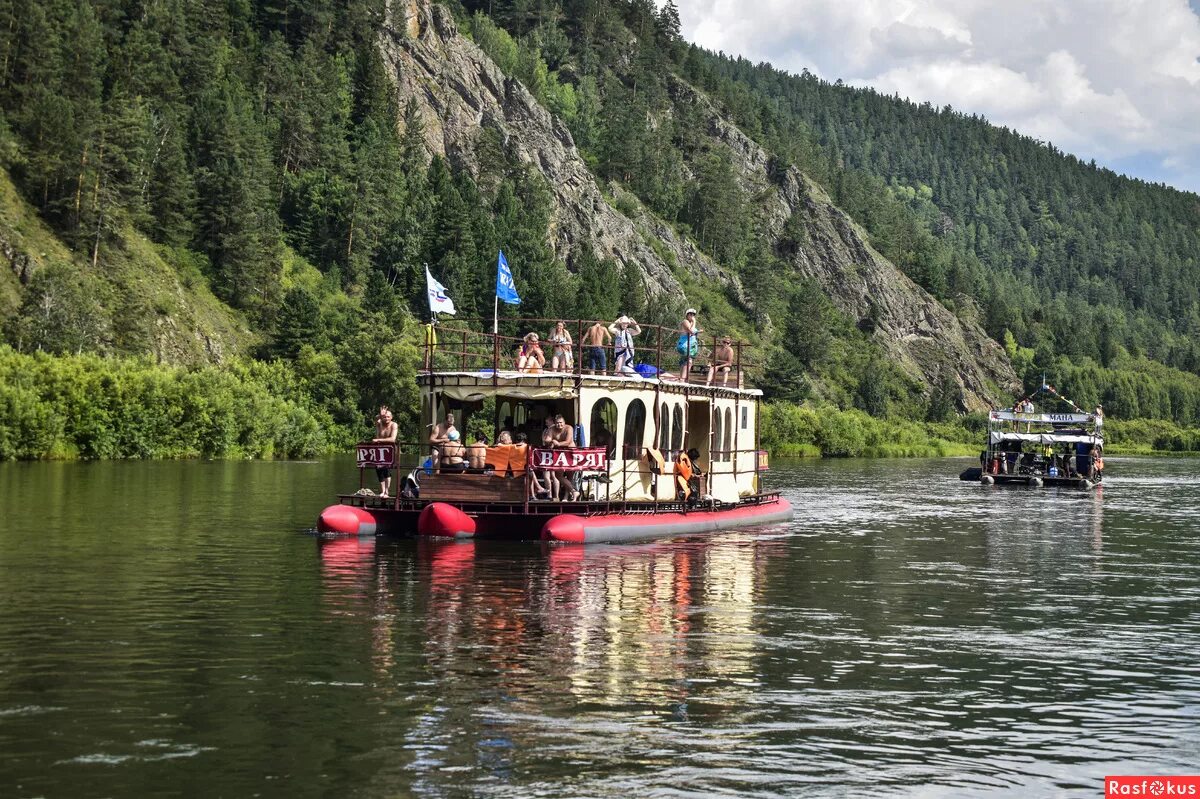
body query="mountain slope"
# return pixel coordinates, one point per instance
(462, 93)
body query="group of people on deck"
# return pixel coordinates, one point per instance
(449, 454)
(530, 355)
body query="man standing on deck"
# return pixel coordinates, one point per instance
(562, 436)
(385, 433)
(594, 342)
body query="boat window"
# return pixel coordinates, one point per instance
(677, 430)
(716, 445)
(727, 444)
(635, 428)
(604, 425)
(745, 417)
(664, 428)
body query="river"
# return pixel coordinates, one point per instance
(172, 629)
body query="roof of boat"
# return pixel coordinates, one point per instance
(550, 385)
(1073, 437)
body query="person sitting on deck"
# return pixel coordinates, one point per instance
(452, 454)
(684, 472)
(561, 358)
(623, 330)
(440, 435)
(722, 361)
(531, 357)
(544, 485)
(697, 472)
(477, 453)
(496, 459)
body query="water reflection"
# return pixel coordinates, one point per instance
(949, 643)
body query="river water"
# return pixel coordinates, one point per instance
(171, 629)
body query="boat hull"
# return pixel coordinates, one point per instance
(618, 528)
(444, 520)
(976, 475)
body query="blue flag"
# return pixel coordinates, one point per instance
(506, 289)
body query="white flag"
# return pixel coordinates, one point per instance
(438, 301)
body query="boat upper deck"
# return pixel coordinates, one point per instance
(460, 353)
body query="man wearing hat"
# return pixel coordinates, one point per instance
(623, 330)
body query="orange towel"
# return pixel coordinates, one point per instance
(517, 456)
(498, 457)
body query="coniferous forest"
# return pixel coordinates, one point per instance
(236, 182)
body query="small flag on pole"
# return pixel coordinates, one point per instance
(506, 289)
(438, 301)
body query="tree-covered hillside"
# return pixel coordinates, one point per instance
(243, 180)
(1088, 277)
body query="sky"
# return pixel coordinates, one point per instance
(1113, 80)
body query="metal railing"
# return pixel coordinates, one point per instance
(460, 345)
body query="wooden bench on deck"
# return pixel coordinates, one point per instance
(464, 487)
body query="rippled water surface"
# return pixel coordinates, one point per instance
(170, 629)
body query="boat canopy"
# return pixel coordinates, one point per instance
(1043, 418)
(999, 436)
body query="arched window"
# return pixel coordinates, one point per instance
(635, 428)
(677, 429)
(604, 425)
(716, 440)
(664, 428)
(727, 443)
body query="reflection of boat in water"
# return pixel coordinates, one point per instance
(625, 474)
(1041, 449)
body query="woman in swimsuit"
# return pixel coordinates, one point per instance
(561, 355)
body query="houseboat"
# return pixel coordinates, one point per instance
(1028, 448)
(615, 468)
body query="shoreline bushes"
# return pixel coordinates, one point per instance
(803, 431)
(85, 406)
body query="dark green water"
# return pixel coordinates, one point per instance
(170, 629)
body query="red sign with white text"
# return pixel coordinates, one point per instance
(1153, 787)
(594, 459)
(382, 455)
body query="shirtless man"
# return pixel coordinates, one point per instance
(562, 436)
(441, 436)
(385, 433)
(722, 361)
(595, 341)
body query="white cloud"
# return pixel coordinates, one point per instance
(1114, 80)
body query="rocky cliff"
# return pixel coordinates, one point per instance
(460, 92)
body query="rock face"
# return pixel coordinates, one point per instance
(920, 333)
(460, 92)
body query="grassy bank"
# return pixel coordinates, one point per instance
(84, 406)
(797, 431)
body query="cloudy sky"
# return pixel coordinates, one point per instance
(1114, 80)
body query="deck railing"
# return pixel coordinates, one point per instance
(404, 457)
(465, 345)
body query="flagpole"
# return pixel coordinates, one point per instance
(496, 315)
